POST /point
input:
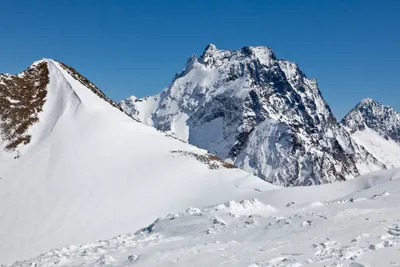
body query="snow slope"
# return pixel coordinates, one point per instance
(91, 172)
(386, 151)
(351, 224)
(258, 111)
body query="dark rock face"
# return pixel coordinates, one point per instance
(260, 112)
(21, 100)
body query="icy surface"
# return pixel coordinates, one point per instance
(350, 224)
(91, 172)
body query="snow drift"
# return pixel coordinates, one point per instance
(349, 224)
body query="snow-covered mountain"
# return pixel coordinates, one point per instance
(258, 111)
(349, 224)
(376, 127)
(74, 168)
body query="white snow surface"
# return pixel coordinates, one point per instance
(386, 151)
(92, 172)
(350, 224)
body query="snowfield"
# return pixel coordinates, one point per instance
(91, 172)
(354, 223)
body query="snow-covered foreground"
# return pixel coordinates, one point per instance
(354, 223)
(91, 172)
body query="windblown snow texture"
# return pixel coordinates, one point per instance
(349, 224)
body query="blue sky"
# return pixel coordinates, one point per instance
(136, 47)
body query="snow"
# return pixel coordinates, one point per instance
(354, 223)
(92, 172)
(179, 127)
(386, 151)
(210, 136)
(142, 110)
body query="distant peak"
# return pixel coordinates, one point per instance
(370, 106)
(367, 100)
(209, 54)
(212, 54)
(210, 47)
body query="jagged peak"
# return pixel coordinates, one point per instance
(210, 48)
(367, 101)
(212, 54)
(251, 50)
(190, 62)
(369, 113)
(260, 50)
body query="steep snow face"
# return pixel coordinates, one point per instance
(261, 112)
(354, 223)
(376, 127)
(91, 172)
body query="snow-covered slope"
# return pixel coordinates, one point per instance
(88, 171)
(376, 127)
(351, 224)
(259, 111)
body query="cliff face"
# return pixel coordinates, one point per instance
(258, 111)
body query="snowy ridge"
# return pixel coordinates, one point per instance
(258, 111)
(350, 224)
(376, 127)
(89, 169)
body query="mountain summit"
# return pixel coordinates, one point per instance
(258, 111)
(376, 128)
(375, 116)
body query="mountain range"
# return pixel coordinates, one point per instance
(266, 117)
(77, 166)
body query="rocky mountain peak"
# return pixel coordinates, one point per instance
(260, 112)
(366, 101)
(210, 49)
(375, 116)
(214, 57)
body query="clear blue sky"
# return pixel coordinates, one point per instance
(136, 47)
